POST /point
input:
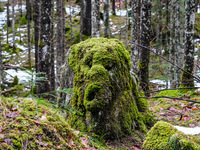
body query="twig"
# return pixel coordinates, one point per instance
(6, 91)
(173, 89)
(176, 98)
(197, 79)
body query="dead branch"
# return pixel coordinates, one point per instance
(173, 89)
(147, 48)
(176, 98)
(6, 91)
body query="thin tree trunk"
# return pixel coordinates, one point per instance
(120, 21)
(106, 19)
(37, 33)
(86, 17)
(126, 37)
(8, 19)
(178, 41)
(145, 41)
(20, 21)
(172, 55)
(95, 14)
(13, 23)
(70, 22)
(60, 52)
(187, 80)
(135, 35)
(46, 62)
(1, 67)
(28, 9)
(113, 7)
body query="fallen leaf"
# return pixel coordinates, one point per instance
(194, 109)
(1, 136)
(13, 109)
(44, 112)
(37, 122)
(71, 143)
(69, 137)
(1, 128)
(84, 141)
(191, 125)
(185, 115)
(42, 144)
(189, 107)
(43, 118)
(12, 114)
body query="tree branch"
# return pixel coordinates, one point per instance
(176, 98)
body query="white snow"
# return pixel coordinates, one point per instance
(21, 75)
(188, 130)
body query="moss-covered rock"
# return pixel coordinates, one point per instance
(106, 94)
(163, 136)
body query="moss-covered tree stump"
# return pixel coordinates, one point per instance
(163, 136)
(105, 93)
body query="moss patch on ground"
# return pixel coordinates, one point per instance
(163, 136)
(29, 124)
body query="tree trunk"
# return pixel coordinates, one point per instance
(172, 45)
(178, 41)
(46, 62)
(187, 80)
(113, 7)
(86, 17)
(8, 19)
(13, 23)
(126, 37)
(1, 67)
(37, 31)
(95, 15)
(60, 51)
(135, 35)
(145, 41)
(106, 19)
(28, 9)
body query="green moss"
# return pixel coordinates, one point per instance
(107, 95)
(164, 136)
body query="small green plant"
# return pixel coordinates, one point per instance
(23, 20)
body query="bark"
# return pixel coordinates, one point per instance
(187, 80)
(120, 21)
(13, 23)
(135, 35)
(37, 31)
(28, 9)
(95, 15)
(60, 51)
(1, 66)
(86, 17)
(70, 22)
(106, 19)
(8, 19)
(46, 54)
(178, 41)
(145, 41)
(113, 7)
(126, 37)
(172, 45)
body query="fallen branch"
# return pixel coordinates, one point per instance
(173, 89)
(6, 91)
(176, 98)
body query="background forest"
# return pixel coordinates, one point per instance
(162, 37)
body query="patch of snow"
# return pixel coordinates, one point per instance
(21, 75)
(158, 81)
(188, 130)
(74, 10)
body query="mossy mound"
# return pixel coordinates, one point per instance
(163, 136)
(22, 126)
(106, 94)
